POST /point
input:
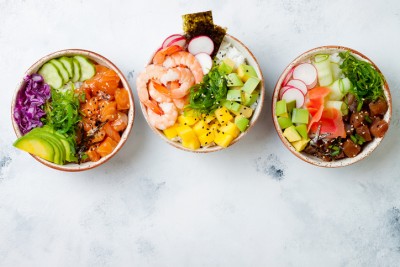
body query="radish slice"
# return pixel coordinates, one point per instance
(283, 89)
(287, 78)
(170, 38)
(294, 94)
(299, 85)
(181, 41)
(306, 73)
(205, 61)
(201, 44)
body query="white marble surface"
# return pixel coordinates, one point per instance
(254, 204)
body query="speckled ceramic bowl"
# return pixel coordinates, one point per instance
(367, 149)
(251, 60)
(72, 167)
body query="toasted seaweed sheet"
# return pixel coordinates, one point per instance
(201, 23)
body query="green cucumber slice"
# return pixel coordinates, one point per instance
(67, 63)
(51, 75)
(87, 68)
(62, 69)
(77, 70)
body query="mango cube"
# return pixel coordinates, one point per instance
(231, 129)
(171, 132)
(223, 139)
(207, 138)
(223, 115)
(187, 120)
(201, 127)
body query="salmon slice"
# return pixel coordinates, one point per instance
(122, 99)
(106, 147)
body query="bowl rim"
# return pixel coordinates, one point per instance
(74, 167)
(311, 159)
(254, 118)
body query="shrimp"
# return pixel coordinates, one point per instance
(159, 57)
(156, 94)
(186, 59)
(150, 72)
(166, 120)
(180, 103)
(183, 76)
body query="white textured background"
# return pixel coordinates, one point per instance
(254, 204)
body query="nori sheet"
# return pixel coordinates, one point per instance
(201, 23)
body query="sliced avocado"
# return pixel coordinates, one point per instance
(300, 115)
(226, 66)
(37, 146)
(231, 105)
(59, 150)
(301, 144)
(234, 95)
(290, 106)
(246, 71)
(284, 122)
(291, 134)
(242, 123)
(251, 85)
(302, 130)
(69, 148)
(244, 111)
(250, 99)
(281, 108)
(233, 80)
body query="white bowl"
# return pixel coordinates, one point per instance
(367, 149)
(73, 167)
(251, 60)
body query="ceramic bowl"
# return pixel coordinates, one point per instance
(73, 167)
(251, 60)
(367, 149)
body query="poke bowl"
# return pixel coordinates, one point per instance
(202, 90)
(73, 110)
(331, 106)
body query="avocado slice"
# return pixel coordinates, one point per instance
(37, 146)
(59, 150)
(69, 148)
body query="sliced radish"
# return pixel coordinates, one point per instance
(181, 41)
(299, 85)
(205, 61)
(170, 38)
(283, 89)
(287, 78)
(294, 94)
(201, 44)
(306, 73)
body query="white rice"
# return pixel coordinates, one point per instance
(227, 50)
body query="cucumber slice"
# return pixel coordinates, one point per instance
(51, 75)
(67, 63)
(87, 68)
(77, 70)
(62, 69)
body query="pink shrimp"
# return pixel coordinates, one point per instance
(150, 72)
(166, 120)
(183, 76)
(159, 57)
(180, 103)
(156, 94)
(186, 59)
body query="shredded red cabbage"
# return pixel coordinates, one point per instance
(28, 109)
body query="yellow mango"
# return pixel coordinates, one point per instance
(192, 144)
(223, 139)
(187, 120)
(201, 127)
(223, 115)
(230, 128)
(171, 132)
(207, 138)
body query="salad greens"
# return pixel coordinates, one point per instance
(206, 96)
(62, 112)
(367, 81)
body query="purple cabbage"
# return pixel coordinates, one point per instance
(28, 109)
